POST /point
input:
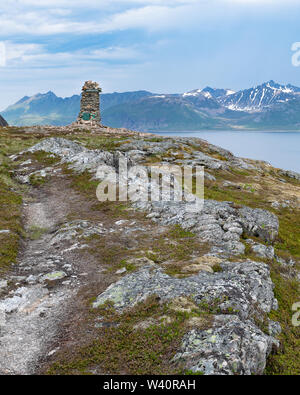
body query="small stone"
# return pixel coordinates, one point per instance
(195, 268)
(166, 320)
(263, 251)
(145, 324)
(274, 328)
(31, 279)
(121, 222)
(54, 276)
(67, 266)
(153, 215)
(121, 271)
(52, 352)
(182, 304)
(106, 325)
(227, 184)
(27, 162)
(3, 284)
(208, 260)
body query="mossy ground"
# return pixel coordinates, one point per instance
(285, 361)
(174, 244)
(132, 349)
(11, 143)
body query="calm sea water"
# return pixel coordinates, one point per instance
(281, 149)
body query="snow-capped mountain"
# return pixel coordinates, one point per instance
(201, 99)
(216, 93)
(209, 93)
(269, 106)
(261, 97)
(208, 99)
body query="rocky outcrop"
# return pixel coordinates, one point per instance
(231, 347)
(234, 344)
(290, 174)
(218, 223)
(3, 122)
(236, 288)
(241, 292)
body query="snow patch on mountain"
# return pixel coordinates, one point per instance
(261, 97)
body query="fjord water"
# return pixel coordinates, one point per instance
(281, 149)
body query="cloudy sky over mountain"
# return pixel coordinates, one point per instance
(158, 45)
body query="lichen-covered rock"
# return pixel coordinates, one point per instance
(219, 223)
(261, 250)
(231, 347)
(290, 174)
(77, 230)
(238, 288)
(54, 276)
(80, 157)
(207, 161)
(260, 223)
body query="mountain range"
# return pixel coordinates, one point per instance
(270, 106)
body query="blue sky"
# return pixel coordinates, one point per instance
(159, 45)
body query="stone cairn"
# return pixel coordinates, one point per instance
(90, 104)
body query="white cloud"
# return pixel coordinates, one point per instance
(273, 2)
(49, 17)
(30, 66)
(35, 55)
(17, 52)
(2, 54)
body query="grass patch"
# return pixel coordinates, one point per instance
(289, 234)
(219, 157)
(11, 143)
(105, 143)
(44, 158)
(130, 267)
(109, 253)
(131, 350)
(217, 268)
(176, 244)
(286, 361)
(83, 183)
(36, 180)
(35, 232)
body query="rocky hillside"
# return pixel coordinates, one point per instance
(88, 287)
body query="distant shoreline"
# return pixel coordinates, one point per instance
(280, 148)
(225, 130)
